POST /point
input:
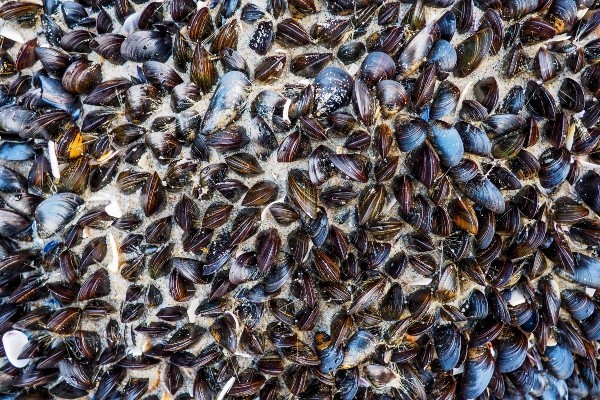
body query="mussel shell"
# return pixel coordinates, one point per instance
(536, 30)
(484, 193)
(472, 51)
(511, 348)
(351, 52)
(290, 33)
(227, 101)
(472, 111)
(81, 76)
(422, 92)
(392, 97)
(161, 75)
(487, 92)
(514, 101)
(55, 212)
(474, 139)
(308, 65)
(571, 96)
(333, 89)
(559, 361)
(55, 95)
(446, 141)
(539, 100)
(415, 52)
(262, 38)
(376, 66)
(329, 34)
(108, 46)
(77, 41)
(588, 189)
(443, 55)
(478, 370)
(447, 341)
(546, 65)
(270, 68)
(445, 100)
(143, 46)
(554, 167)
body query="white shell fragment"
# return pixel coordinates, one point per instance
(226, 388)
(14, 342)
(113, 208)
(113, 265)
(12, 33)
(53, 160)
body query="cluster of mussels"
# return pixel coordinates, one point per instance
(409, 210)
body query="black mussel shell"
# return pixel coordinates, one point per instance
(487, 92)
(415, 52)
(588, 189)
(333, 89)
(443, 55)
(536, 30)
(546, 65)
(571, 96)
(539, 100)
(310, 64)
(143, 46)
(446, 141)
(351, 52)
(444, 101)
(472, 51)
(392, 97)
(262, 38)
(228, 100)
(375, 67)
(55, 212)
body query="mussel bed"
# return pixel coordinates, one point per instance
(312, 199)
